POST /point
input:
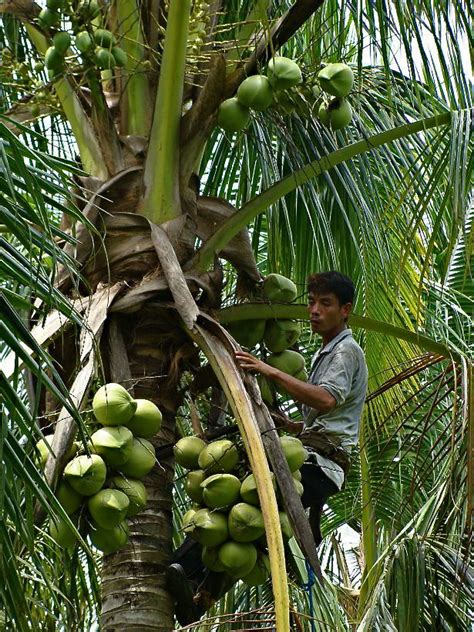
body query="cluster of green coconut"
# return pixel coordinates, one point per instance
(107, 481)
(226, 518)
(257, 92)
(276, 335)
(97, 46)
(336, 80)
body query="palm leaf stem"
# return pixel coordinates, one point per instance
(161, 178)
(251, 311)
(290, 183)
(224, 367)
(136, 118)
(84, 135)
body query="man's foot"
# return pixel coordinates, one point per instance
(179, 586)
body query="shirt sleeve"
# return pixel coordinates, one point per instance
(338, 377)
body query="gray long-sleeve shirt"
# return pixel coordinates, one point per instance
(340, 368)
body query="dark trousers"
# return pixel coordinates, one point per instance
(317, 489)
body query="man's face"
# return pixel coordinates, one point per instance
(325, 313)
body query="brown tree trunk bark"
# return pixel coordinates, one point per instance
(134, 595)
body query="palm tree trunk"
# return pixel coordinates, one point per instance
(134, 595)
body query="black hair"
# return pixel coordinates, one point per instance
(339, 284)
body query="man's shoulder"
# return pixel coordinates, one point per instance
(349, 344)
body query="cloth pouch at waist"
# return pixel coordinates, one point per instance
(320, 443)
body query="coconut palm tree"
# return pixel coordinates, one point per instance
(159, 231)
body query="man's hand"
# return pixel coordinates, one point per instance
(250, 363)
(315, 396)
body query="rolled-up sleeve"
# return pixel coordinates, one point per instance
(339, 375)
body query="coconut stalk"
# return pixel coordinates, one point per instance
(161, 201)
(290, 183)
(136, 110)
(229, 378)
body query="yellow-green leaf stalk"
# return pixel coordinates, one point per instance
(257, 311)
(261, 202)
(136, 118)
(230, 380)
(87, 142)
(368, 535)
(161, 179)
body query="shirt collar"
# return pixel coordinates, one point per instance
(332, 343)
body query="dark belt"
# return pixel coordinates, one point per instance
(321, 444)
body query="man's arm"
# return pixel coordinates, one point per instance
(304, 392)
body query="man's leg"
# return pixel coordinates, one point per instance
(317, 489)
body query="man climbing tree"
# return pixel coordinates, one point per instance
(333, 397)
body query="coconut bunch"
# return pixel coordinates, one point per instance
(257, 93)
(336, 80)
(226, 518)
(102, 489)
(276, 335)
(97, 47)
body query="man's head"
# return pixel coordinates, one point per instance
(330, 300)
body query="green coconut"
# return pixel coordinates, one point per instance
(283, 73)
(53, 59)
(210, 527)
(281, 334)
(141, 460)
(286, 529)
(232, 116)
(255, 92)
(62, 533)
(336, 79)
(298, 487)
(210, 559)
(83, 41)
(146, 421)
(120, 56)
(219, 456)
(61, 41)
(88, 10)
(238, 558)
(279, 289)
(192, 485)
(86, 474)
(323, 115)
(296, 475)
(135, 490)
(266, 389)
(248, 490)
(294, 451)
(247, 333)
(104, 58)
(113, 444)
(113, 405)
(48, 18)
(260, 572)
(301, 375)
(55, 5)
(68, 497)
(340, 113)
(109, 540)
(288, 361)
(108, 507)
(245, 523)
(220, 491)
(187, 523)
(43, 451)
(104, 38)
(187, 450)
